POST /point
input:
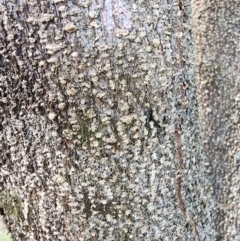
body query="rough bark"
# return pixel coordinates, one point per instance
(217, 30)
(99, 126)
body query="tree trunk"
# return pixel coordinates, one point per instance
(216, 26)
(99, 125)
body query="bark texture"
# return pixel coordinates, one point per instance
(99, 127)
(217, 30)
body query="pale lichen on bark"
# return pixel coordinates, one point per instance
(90, 98)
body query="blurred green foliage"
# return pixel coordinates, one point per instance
(4, 236)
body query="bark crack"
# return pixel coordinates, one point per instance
(178, 185)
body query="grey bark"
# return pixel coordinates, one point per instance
(217, 29)
(99, 126)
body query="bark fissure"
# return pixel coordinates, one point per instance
(178, 185)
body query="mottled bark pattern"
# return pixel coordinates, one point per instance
(217, 31)
(92, 94)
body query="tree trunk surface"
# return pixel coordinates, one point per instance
(99, 125)
(217, 30)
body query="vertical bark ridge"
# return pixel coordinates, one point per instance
(216, 25)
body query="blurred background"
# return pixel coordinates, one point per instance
(4, 235)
